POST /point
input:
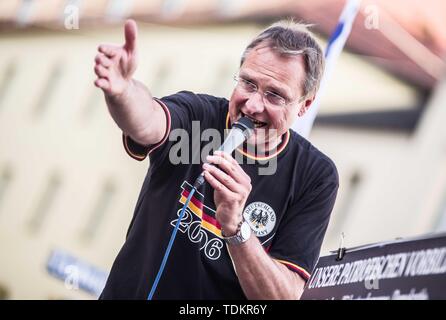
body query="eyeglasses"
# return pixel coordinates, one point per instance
(269, 98)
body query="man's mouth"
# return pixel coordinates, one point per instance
(257, 123)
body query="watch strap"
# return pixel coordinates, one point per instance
(238, 237)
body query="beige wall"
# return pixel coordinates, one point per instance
(402, 179)
(70, 136)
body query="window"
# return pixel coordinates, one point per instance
(48, 90)
(5, 180)
(345, 207)
(6, 81)
(44, 204)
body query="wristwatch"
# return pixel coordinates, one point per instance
(242, 235)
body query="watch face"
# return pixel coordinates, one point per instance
(245, 230)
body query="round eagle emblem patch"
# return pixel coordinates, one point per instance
(260, 217)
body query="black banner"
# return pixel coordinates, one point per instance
(400, 270)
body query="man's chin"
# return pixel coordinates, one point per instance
(257, 142)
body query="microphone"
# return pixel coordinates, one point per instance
(241, 130)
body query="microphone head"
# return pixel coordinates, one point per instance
(246, 125)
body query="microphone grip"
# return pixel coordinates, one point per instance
(199, 181)
(239, 133)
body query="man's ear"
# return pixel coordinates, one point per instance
(306, 105)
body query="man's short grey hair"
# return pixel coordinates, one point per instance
(292, 38)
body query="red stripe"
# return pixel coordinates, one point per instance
(300, 272)
(211, 220)
(139, 157)
(194, 200)
(200, 206)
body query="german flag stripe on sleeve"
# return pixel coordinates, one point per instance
(140, 152)
(294, 267)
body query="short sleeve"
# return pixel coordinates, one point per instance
(182, 109)
(300, 234)
(138, 151)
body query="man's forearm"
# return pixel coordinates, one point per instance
(129, 102)
(260, 276)
(137, 114)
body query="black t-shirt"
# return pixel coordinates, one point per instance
(288, 211)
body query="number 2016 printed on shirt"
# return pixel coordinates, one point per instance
(212, 247)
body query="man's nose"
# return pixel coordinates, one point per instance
(255, 103)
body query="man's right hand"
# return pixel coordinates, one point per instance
(129, 101)
(115, 65)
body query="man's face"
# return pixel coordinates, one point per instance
(279, 74)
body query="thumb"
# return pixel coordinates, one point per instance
(131, 32)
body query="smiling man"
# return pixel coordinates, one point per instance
(244, 235)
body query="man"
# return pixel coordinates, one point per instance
(287, 212)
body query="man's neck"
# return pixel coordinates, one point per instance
(268, 147)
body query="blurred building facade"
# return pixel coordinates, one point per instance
(66, 182)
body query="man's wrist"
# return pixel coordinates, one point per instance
(232, 229)
(242, 234)
(122, 97)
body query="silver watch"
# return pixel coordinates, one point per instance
(242, 235)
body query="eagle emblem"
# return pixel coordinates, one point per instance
(260, 217)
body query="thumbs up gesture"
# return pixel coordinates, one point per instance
(115, 65)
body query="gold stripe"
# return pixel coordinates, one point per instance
(287, 139)
(199, 213)
(135, 156)
(141, 157)
(295, 266)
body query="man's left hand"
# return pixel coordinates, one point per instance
(231, 189)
